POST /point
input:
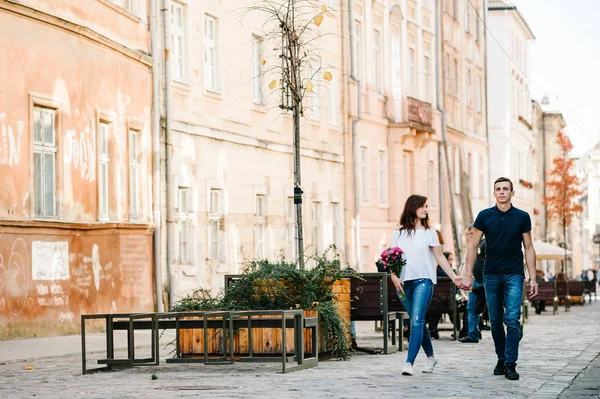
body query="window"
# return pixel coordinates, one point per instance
(378, 62)
(364, 173)
(456, 170)
(407, 160)
(103, 160)
(396, 74)
(469, 88)
(358, 48)
(364, 253)
(455, 77)
(447, 75)
(336, 225)
(317, 222)
(314, 97)
(134, 168)
(412, 61)
(432, 194)
(456, 9)
(257, 72)
(178, 40)
(382, 176)
(479, 94)
(44, 161)
(334, 100)
(477, 26)
(260, 215)
(290, 223)
(210, 53)
(481, 177)
(471, 180)
(428, 85)
(467, 17)
(130, 6)
(216, 247)
(185, 225)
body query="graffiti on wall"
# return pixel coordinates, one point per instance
(15, 279)
(81, 153)
(50, 260)
(10, 143)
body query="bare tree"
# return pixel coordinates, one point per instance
(292, 26)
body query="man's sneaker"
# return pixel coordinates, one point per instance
(468, 340)
(500, 368)
(511, 372)
(407, 369)
(431, 363)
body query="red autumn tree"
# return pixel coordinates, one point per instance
(563, 188)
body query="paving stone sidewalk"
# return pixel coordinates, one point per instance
(558, 358)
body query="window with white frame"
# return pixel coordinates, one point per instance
(364, 173)
(336, 225)
(134, 170)
(257, 69)
(455, 77)
(428, 83)
(469, 88)
(129, 5)
(432, 191)
(211, 61)
(216, 244)
(467, 17)
(178, 40)
(364, 253)
(382, 174)
(103, 166)
(482, 187)
(456, 170)
(317, 224)
(377, 60)
(260, 227)
(477, 25)
(456, 9)
(185, 228)
(407, 161)
(471, 177)
(358, 46)
(44, 161)
(479, 94)
(396, 73)
(314, 96)
(413, 81)
(290, 226)
(334, 100)
(447, 75)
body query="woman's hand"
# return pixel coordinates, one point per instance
(397, 283)
(457, 280)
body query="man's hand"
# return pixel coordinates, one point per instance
(467, 283)
(533, 288)
(457, 280)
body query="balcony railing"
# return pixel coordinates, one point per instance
(409, 111)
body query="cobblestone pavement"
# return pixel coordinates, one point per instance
(558, 358)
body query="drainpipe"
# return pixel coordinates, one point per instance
(156, 239)
(168, 148)
(440, 107)
(354, 135)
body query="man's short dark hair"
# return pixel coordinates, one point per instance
(503, 179)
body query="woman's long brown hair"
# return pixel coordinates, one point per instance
(408, 218)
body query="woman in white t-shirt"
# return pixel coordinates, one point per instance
(422, 253)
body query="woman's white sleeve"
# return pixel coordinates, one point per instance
(432, 238)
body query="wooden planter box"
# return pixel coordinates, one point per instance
(265, 341)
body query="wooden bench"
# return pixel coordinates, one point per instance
(205, 320)
(369, 297)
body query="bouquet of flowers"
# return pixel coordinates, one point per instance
(391, 261)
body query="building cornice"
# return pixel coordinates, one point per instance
(83, 31)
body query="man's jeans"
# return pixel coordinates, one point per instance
(473, 317)
(418, 295)
(504, 293)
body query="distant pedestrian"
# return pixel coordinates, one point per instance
(506, 230)
(422, 253)
(477, 295)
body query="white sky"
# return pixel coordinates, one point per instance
(565, 62)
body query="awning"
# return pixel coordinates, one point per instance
(544, 250)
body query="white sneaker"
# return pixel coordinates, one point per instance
(431, 363)
(407, 369)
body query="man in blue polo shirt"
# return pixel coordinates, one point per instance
(506, 229)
